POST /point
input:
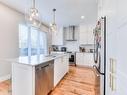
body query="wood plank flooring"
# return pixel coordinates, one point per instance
(79, 81)
(5, 88)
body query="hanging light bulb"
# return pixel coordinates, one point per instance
(53, 25)
(33, 17)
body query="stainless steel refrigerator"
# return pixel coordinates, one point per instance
(100, 53)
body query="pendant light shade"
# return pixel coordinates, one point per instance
(33, 17)
(53, 25)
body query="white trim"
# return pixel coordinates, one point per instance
(4, 78)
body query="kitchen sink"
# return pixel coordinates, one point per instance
(50, 55)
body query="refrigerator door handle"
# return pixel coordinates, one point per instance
(98, 73)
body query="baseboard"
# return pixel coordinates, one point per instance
(4, 78)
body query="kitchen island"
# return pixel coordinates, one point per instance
(38, 75)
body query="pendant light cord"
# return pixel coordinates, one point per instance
(54, 10)
(33, 5)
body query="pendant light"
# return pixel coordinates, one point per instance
(33, 16)
(53, 25)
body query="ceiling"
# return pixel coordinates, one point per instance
(68, 11)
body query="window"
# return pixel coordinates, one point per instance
(23, 40)
(32, 41)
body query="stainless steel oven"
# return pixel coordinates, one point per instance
(72, 58)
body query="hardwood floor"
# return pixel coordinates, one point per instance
(79, 81)
(5, 88)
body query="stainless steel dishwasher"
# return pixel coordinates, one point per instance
(44, 78)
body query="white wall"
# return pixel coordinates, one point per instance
(72, 45)
(9, 21)
(108, 8)
(122, 46)
(115, 11)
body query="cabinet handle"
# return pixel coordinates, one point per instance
(38, 69)
(98, 73)
(110, 65)
(112, 76)
(110, 80)
(114, 66)
(113, 83)
(44, 66)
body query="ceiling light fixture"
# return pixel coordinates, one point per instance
(82, 17)
(33, 16)
(53, 25)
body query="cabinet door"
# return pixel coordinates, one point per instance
(80, 58)
(83, 34)
(90, 36)
(66, 64)
(57, 37)
(57, 70)
(89, 60)
(62, 68)
(22, 79)
(84, 59)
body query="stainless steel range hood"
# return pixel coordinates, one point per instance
(70, 33)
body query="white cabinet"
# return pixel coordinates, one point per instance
(83, 34)
(80, 59)
(61, 67)
(89, 59)
(84, 59)
(90, 35)
(86, 35)
(57, 37)
(26, 78)
(65, 62)
(23, 79)
(57, 73)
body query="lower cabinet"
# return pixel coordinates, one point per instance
(23, 82)
(85, 59)
(35, 80)
(61, 67)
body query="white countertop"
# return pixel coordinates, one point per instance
(35, 60)
(85, 52)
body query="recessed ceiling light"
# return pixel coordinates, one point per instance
(82, 17)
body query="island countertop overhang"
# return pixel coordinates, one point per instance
(36, 59)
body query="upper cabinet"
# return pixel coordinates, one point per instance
(82, 34)
(90, 34)
(57, 37)
(86, 35)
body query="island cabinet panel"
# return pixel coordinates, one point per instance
(22, 79)
(57, 72)
(61, 67)
(65, 64)
(40, 79)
